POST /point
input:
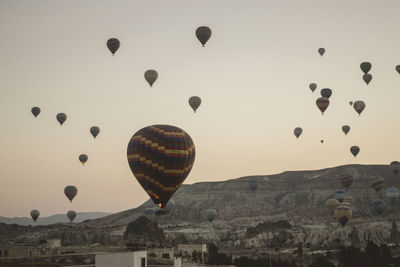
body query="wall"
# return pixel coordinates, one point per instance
(18, 251)
(121, 259)
(158, 252)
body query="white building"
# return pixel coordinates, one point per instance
(122, 259)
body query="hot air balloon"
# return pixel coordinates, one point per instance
(151, 76)
(326, 92)
(211, 214)
(398, 68)
(203, 34)
(35, 215)
(367, 78)
(343, 213)
(392, 193)
(83, 158)
(359, 106)
(354, 150)
(346, 129)
(365, 67)
(71, 215)
(313, 86)
(395, 167)
(346, 180)
(377, 184)
(331, 204)
(340, 194)
(161, 157)
(253, 185)
(297, 131)
(94, 131)
(195, 102)
(35, 111)
(322, 141)
(113, 45)
(378, 205)
(61, 117)
(351, 103)
(322, 104)
(70, 191)
(321, 51)
(348, 199)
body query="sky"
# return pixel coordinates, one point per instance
(252, 77)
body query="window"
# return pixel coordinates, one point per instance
(1, 253)
(30, 253)
(143, 262)
(5, 253)
(165, 255)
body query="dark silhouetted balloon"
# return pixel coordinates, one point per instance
(35, 215)
(346, 129)
(35, 111)
(313, 86)
(326, 92)
(297, 131)
(161, 157)
(346, 180)
(151, 76)
(322, 141)
(322, 104)
(367, 78)
(71, 215)
(203, 34)
(211, 214)
(70, 191)
(351, 103)
(395, 167)
(392, 193)
(365, 67)
(321, 51)
(113, 45)
(194, 102)
(83, 158)
(398, 68)
(61, 118)
(354, 150)
(359, 106)
(94, 131)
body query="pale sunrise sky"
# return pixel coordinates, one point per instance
(252, 77)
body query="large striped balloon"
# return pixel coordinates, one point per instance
(161, 157)
(377, 184)
(343, 213)
(346, 180)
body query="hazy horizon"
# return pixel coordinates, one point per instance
(252, 77)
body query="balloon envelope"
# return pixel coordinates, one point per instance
(113, 45)
(71, 215)
(70, 191)
(61, 118)
(331, 204)
(348, 199)
(297, 131)
(35, 215)
(35, 111)
(321, 51)
(203, 34)
(322, 104)
(346, 129)
(354, 150)
(395, 167)
(83, 158)
(151, 76)
(94, 131)
(392, 193)
(378, 206)
(365, 67)
(359, 106)
(346, 180)
(343, 213)
(326, 92)
(211, 214)
(398, 68)
(377, 184)
(340, 194)
(367, 78)
(195, 102)
(313, 86)
(161, 157)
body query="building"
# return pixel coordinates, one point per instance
(121, 259)
(161, 253)
(187, 250)
(17, 250)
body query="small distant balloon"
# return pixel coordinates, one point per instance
(326, 92)
(113, 45)
(35, 215)
(321, 51)
(354, 150)
(83, 158)
(367, 78)
(348, 199)
(203, 34)
(151, 76)
(365, 67)
(322, 141)
(346, 181)
(340, 194)
(398, 68)
(70, 191)
(377, 184)
(322, 104)
(351, 103)
(94, 131)
(211, 214)
(71, 215)
(297, 131)
(392, 193)
(61, 118)
(331, 204)
(359, 106)
(395, 167)
(378, 206)
(346, 129)
(312, 86)
(195, 102)
(35, 111)
(343, 213)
